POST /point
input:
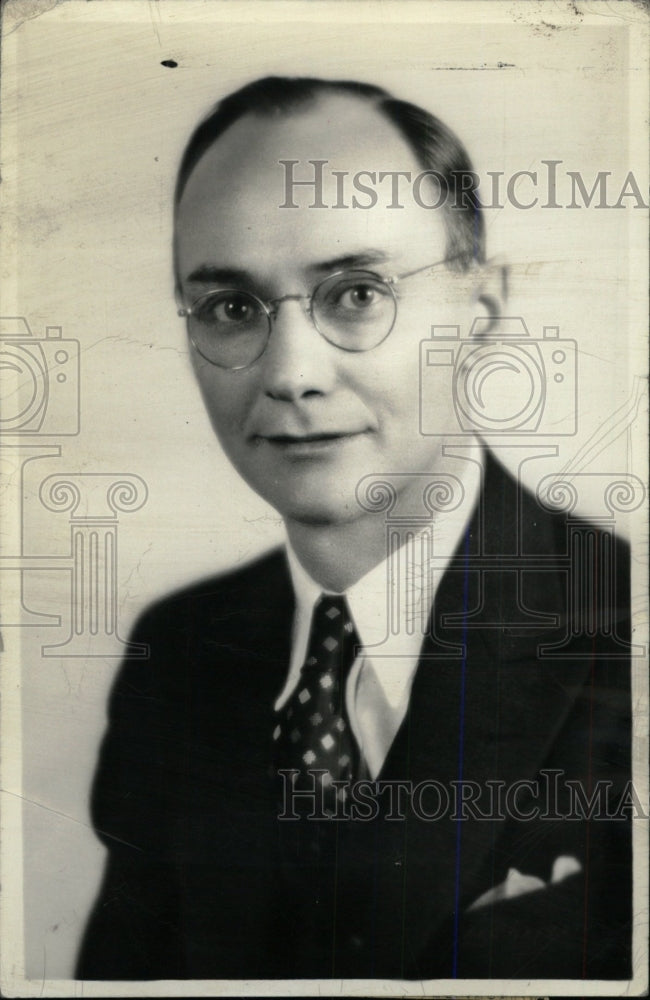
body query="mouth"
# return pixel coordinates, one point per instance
(308, 443)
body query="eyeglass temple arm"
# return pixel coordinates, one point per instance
(399, 277)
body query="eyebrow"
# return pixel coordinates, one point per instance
(214, 274)
(211, 274)
(360, 259)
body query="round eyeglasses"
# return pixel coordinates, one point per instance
(354, 310)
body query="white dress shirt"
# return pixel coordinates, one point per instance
(390, 606)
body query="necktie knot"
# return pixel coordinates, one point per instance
(332, 639)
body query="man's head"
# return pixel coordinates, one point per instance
(435, 146)
(308, 418)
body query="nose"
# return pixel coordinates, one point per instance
(297, 362)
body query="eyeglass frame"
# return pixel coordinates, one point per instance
(270, 308)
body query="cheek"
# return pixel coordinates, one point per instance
(395, 382)
(391, 384)
(225, 403)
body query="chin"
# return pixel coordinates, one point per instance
(317, 512)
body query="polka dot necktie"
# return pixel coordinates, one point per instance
(312, 730)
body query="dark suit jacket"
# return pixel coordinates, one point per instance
(525, 673)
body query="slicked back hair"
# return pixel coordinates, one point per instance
(436, 147)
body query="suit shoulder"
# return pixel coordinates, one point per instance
(206, 629)
(262, 576)
(541, 526)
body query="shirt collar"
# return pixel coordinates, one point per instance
(390, 605)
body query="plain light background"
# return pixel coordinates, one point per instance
(94, 126)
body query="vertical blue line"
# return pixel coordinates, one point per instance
(461, 749)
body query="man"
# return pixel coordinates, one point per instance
(271, 789)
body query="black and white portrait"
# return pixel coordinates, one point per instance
(324, 337)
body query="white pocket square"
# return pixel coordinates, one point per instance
(517, 884)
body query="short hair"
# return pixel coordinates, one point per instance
(436, 147)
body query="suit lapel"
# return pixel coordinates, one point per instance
(489, 714)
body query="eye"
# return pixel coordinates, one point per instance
(348, 305)
(232, 309)
(225, 309)
(356, 294)
(359, 296)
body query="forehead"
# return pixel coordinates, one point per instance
(234, 209)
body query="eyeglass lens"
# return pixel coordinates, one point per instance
(355, 311)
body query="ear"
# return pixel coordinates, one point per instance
(491, 291)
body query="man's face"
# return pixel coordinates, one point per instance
(307, 421)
